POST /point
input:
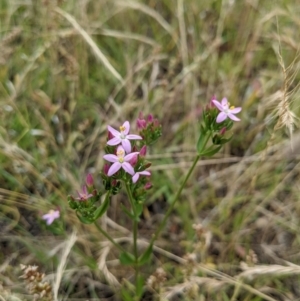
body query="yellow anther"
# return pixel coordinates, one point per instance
(120, 152)
(121, 160)
(122, 128)
(232, 107)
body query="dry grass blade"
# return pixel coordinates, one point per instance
(91, 43)
(152, 13)
(111, 279)
(129, 36)
(62, 264)
(274, 270)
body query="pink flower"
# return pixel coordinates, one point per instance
(122, 137)
(141, 124)
(138, 174)
(148, 186)
(89, 180)
(84, 195)
(143, 151)
(51, 216)
(226, 110)
(120, 160)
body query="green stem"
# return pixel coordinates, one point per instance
(135, 230)
(104, 233)
(163, 223)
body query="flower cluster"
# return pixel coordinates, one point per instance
(125, 154)
(217, 119)
(124, 158)
(149, 128)
(125, 164)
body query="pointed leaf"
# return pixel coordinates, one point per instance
(146, 256)
(202, 141)
(211, 151)
(126, 211)
(127, 258)
(140, 287)
(102, 208)
(139, 208)
(126, 295)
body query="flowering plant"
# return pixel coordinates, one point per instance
(126, 167)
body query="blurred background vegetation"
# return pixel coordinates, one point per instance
(69, 68)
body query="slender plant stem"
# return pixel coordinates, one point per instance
(163, 223)
(104, 233)
(135, 230)
(177, 195)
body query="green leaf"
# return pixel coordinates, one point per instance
(126, 211)
(126, 295)
(140, 287)
(146, 256)
(211, 151)
(127, 258)
(102, 208)
(202, 141)
(139, 208)
(84, 220)
(225, 140)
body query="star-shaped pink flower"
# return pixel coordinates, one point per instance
(226, 110)
(84, 195)
(51, 216)
(120, 161)
(122, 137)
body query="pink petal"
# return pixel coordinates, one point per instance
(128, 168)
(233, 117)
(127, 127)
(145, 173)
(56, 214)
(113, 131)
(126, 145)
(130, 156)
(114, 141)
(111, 158)
(221, 117)
(218, 105)
(114, 168)
(224, 102)
(133, 137)
(50, 220)
(135, 177)
(235, 110)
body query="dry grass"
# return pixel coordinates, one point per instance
(69, 68)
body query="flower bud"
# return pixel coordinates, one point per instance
(147, 164)
(109, 135)
(148, 185)
(133, 160)
(150, 118)
(89, 180)
(143, 151)
(105, 169)
(141, 124)
(222, 131)
(211, 104)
